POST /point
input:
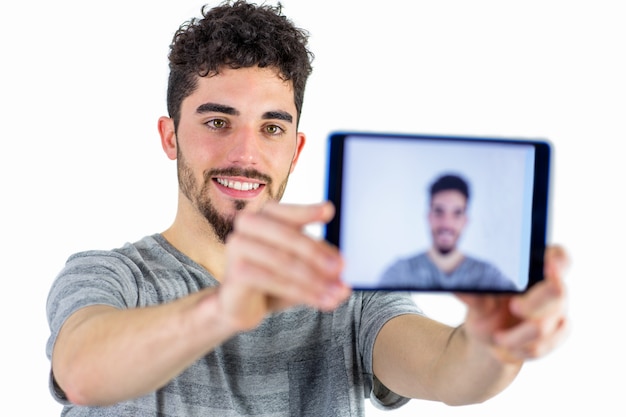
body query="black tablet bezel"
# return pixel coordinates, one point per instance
(540, 193)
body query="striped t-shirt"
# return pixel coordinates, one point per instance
(300, 362)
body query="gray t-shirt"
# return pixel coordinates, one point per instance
(419, 272)
(300, 362)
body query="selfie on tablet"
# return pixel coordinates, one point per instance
(438, 213)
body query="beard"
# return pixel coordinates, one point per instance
(444, 249)
(221, 224)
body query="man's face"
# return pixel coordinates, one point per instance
(447, 217)
(236, 143)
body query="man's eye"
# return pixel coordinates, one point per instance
(273, 129)
(216, 123)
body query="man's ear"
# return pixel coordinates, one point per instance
(168, 136)
(300, 141)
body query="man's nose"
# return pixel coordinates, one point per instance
(447, 219)
(245, 148)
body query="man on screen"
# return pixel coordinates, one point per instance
(443, 265)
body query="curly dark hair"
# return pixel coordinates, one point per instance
(450, 182)
(236, 35)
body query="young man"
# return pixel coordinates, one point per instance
(444, 265)
(234, 310)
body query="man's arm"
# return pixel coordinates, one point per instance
(103, 355)
(419, 358)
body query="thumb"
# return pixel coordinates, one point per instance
(556, 263)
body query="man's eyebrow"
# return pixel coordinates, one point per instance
(278, 115)
(217, 108)
(222, 108)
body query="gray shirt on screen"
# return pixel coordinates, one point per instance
(300, 362)
(419, 272)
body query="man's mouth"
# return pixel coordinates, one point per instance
(445, 232)
(238, 185)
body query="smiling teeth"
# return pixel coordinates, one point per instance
(238, 185)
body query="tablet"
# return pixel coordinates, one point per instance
(438, 213)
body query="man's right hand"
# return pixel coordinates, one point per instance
(272, 264)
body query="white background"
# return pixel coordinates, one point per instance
(83, 84)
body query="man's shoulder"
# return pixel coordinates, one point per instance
(130, 260)
(146, 244)
(412, 258)
(420, 257)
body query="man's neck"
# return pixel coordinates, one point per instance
(447, 262)
(195, 237)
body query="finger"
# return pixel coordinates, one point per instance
(532, 339)
(299, 215)
(281, 237)
(549, 295)
(544, 299)
(486, 313)
(281, 293)
(556, 263)
(259, 280)
(281, 273)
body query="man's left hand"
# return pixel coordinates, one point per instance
(525, 326)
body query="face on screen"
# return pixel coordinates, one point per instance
(447, 218)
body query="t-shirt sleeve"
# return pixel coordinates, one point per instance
(378, 308)
(88, 278)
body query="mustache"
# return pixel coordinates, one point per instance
(237, 172)
(445, 230)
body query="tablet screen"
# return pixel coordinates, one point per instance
(438, 213)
